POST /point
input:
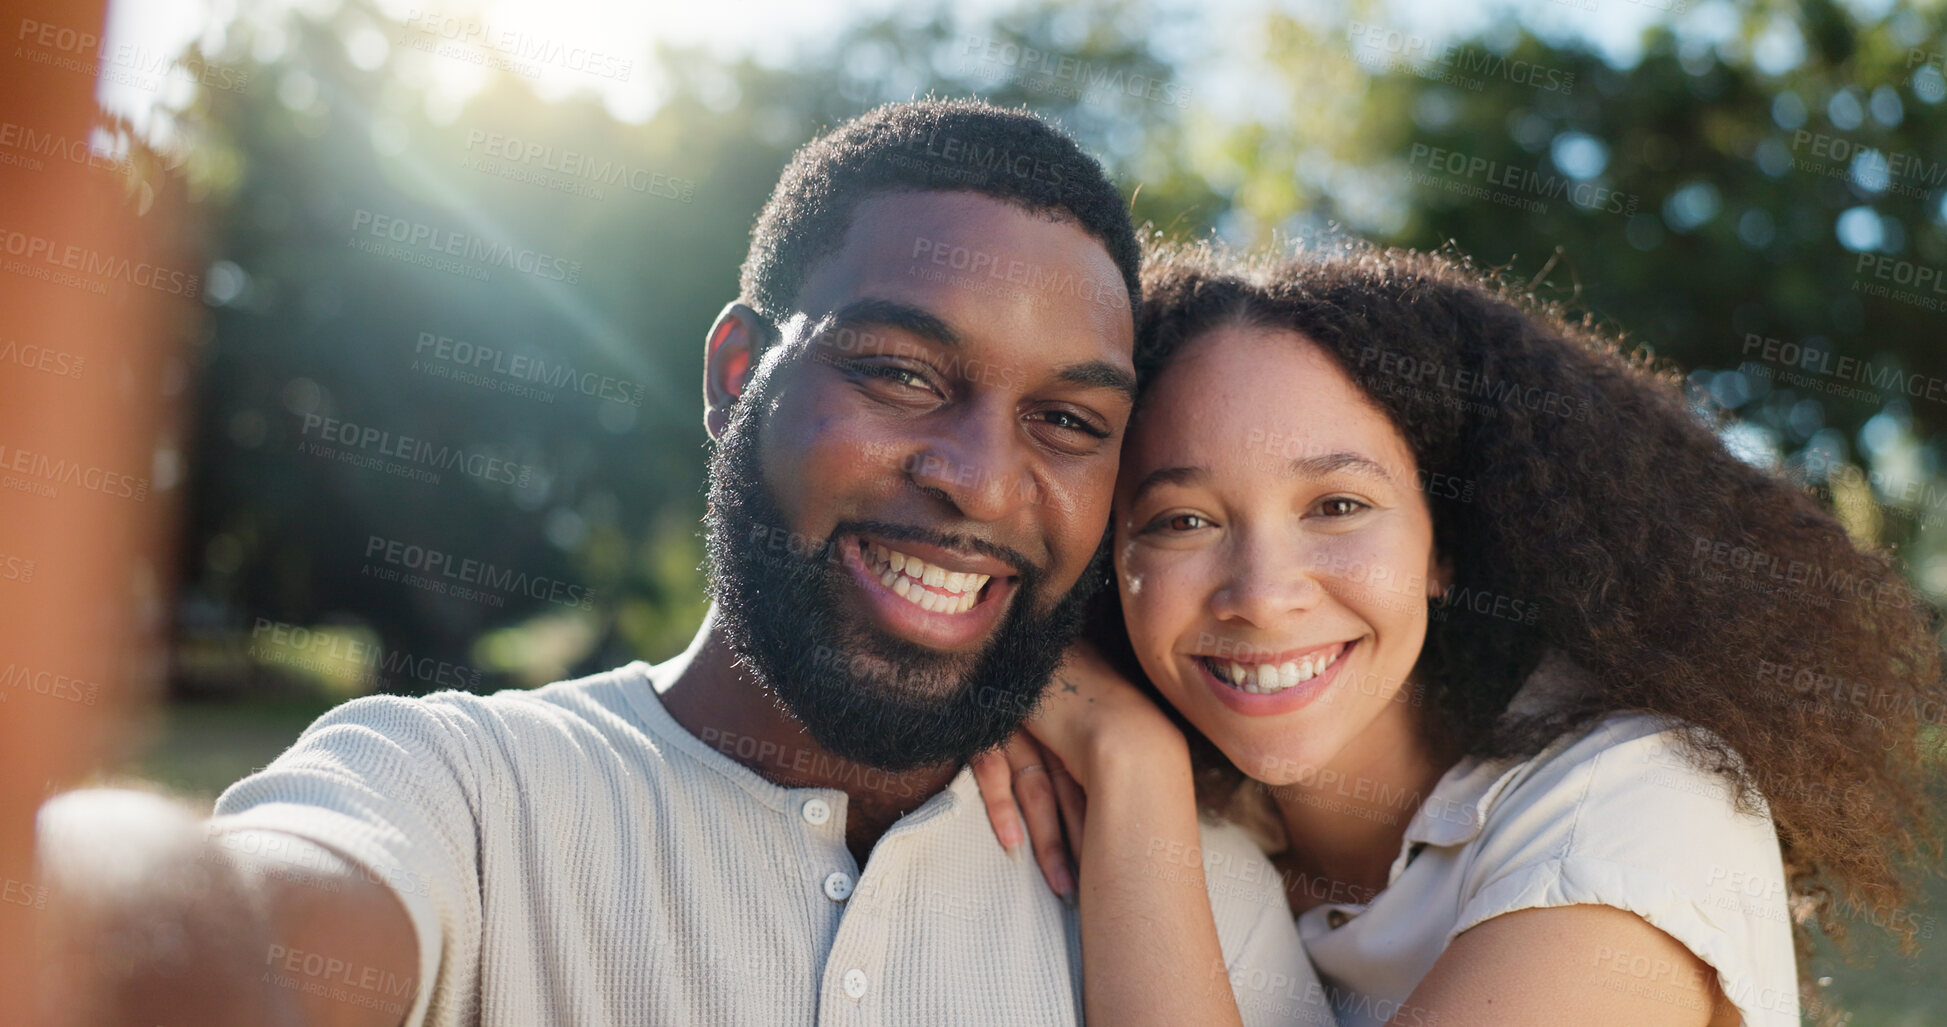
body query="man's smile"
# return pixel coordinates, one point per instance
(926, 594)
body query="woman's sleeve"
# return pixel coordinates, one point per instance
(1621, 818)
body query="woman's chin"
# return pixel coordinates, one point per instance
(1280, 759)
(1276, 763)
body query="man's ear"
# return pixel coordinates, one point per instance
(729, 352)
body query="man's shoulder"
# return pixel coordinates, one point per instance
(1254, 922)
(576, 697)
(1237, 873)
(508, 722)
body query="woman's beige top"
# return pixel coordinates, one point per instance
(1615, 816)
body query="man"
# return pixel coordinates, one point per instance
(917, 404)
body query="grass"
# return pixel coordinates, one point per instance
(198, 749)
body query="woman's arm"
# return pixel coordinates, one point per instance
(1150, 952)
(1592, 966)
(1149, 943)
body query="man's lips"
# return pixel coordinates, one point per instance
(928, 595)
(947, 559)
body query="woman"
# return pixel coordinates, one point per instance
(1551, 709)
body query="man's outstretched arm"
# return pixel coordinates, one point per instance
(153, 921)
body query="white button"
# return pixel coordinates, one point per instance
(838, 887)
(855, 982)
(817, 811)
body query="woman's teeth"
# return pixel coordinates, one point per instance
(928, 586)
(1269, 678)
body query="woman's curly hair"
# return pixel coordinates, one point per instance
(1603, 514)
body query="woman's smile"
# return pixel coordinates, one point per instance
(1273, 685)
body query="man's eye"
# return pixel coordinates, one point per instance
(1069, 421)
(895, 374)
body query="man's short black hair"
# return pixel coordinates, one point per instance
(962, 145)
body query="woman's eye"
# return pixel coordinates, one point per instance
(1177, 523)
(1340, 506)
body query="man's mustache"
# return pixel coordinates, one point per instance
(1023, 567)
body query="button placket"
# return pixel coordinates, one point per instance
(855, 988)
(827, 846)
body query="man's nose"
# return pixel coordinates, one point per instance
(977, 464)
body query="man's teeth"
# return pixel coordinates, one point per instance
(950, 591)
(1268, 678)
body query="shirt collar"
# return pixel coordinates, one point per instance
(647, 701)
(1456, 810)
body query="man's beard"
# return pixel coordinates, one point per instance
(863, 694)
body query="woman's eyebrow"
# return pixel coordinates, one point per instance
(1168, 476)
(1302, 467)
(1326, 463)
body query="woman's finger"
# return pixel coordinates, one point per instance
(1034, 791)
(1074, 807)
(995, 777)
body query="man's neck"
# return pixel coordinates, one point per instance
(714, 698)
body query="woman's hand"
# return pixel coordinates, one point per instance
(1038, 777)
(1021, 781)
(1092, 713)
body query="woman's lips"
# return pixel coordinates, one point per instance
(1289, 687)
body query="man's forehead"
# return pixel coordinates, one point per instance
(976, 262)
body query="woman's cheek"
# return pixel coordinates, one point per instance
(1374, 578)
(1367, 575)
(1159, 608)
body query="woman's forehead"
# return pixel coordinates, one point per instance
(1240, 395)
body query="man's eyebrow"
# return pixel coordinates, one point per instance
(1102, 374)
(927, 325)
(894, 314)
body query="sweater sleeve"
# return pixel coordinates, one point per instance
(1270, 976)
(387, 783)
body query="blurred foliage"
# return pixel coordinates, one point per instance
(1705, 220)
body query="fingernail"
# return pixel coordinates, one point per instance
(1065, 885)
(1014, 852)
